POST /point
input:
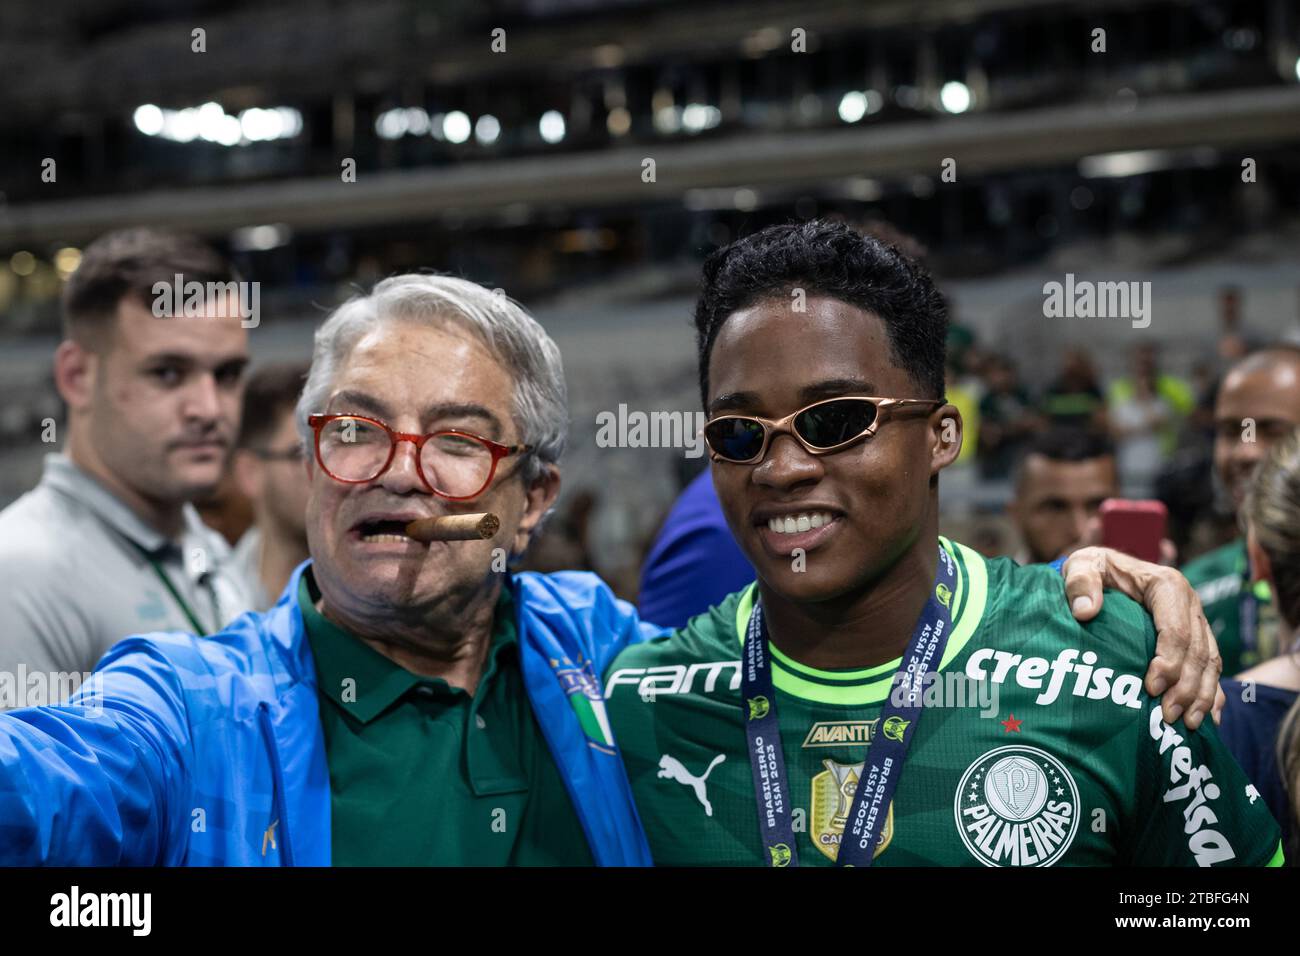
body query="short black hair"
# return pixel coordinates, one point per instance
(1065, 444)
(126, 264)
(833, 260)
(270, 391)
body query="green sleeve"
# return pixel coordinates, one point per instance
(1194, 805)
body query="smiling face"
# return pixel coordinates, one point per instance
(419, 378)
(874, 499)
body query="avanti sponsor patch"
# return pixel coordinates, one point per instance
(840, 733)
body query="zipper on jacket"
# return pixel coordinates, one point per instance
(277, 781)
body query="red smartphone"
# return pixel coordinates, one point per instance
(1134, 527)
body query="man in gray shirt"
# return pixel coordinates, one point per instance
(107, 545)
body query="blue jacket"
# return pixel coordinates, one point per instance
(209, 751)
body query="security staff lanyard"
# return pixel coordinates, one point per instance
(884, 760)
(176, 595)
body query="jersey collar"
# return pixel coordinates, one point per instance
(871, 685)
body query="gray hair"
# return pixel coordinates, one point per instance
(510, 333)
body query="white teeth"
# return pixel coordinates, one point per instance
(384, 537)
(794, 524)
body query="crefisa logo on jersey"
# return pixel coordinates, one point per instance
(1017, 806)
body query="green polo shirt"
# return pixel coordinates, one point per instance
(423, 773)
(1222, 583)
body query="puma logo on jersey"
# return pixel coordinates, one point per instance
(1094, 684)
(672, 769)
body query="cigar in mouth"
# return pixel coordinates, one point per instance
(454, 528)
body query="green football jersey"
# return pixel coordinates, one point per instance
(1219, 577)
(1036, 746)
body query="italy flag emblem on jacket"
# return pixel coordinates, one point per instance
(583, 690)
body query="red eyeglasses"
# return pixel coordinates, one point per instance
(453, 464)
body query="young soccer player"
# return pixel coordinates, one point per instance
(881, 693)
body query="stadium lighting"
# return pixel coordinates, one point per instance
(456, 127)
(23, 263)
(619, 121)
(66, 260)
(955, 97)
(209, 121)
(228, 130)
(182, 126)
(417, 121)
(698, 116)
(487, 129)
(213, 124)
(260, 238)
(391, 124)
(668, 119)
(1119, 165)
(256, 124)
(1297, 68)
(290, 122)
(551, 126)
(148, 119)
(853, 106)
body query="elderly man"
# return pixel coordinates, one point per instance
(403, 702)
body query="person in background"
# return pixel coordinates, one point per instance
(226, 510)
(1074, 399)
(694, 562)
(1142, 417)
(1258, 403)
(1234, 343)
(1060, 483)
(268, 470)
(107, 544)
(1152, 405)
(1261, 717)
(1007, 419)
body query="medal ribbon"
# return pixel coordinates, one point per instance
(884, 760)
